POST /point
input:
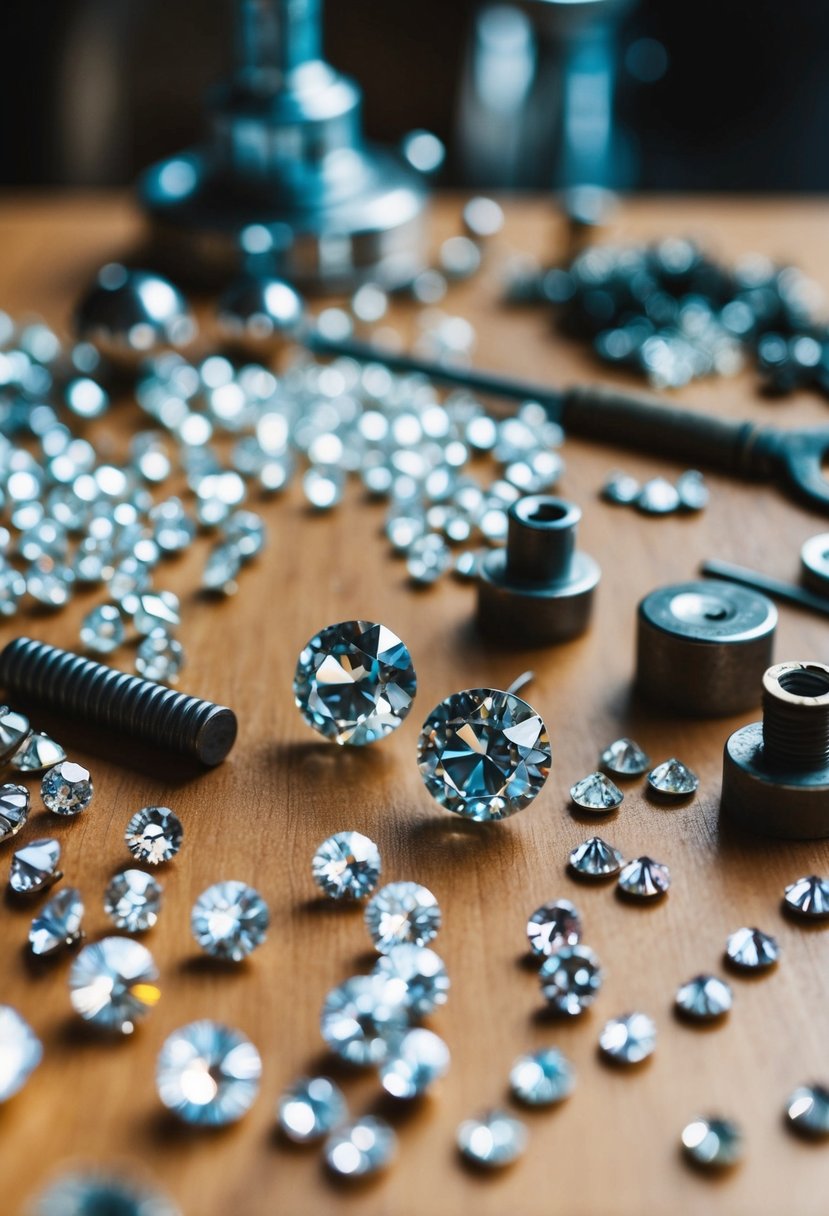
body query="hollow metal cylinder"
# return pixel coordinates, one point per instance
(702, 648)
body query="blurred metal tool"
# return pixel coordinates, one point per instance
(286, 177)
(777, 588)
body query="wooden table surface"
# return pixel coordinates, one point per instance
(612, 1148)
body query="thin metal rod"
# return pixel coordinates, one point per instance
(778, 589)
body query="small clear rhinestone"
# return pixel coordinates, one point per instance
(704, 998)
(571, 979)
(807, 1111)
(361, 1148)
(628, 1039)
(484, 754)
(553, 926)
(621, 489)
(310, 1109)
(751, 949)
(94, 1194)
(132, 901)
(66, 789)
(58, 923)
(12, 590)
(160, 658)
(14, 809)
(157, 610)
(50, 583)
(246, 532)
(354, 682)
(595, 858)
(361, 1019)
(103, 629)
(35, 866)
(417, 977)
(542, 1078)
(808, 897)
(712, 1143)
(14, 731)
(673, 779)
(222, 569)
(154, 834)
(402, 912)
(208, 1074)
(658, 496)
(20, 1052)
(427, 558)
(644, 878)
(37, 754)
(494, 1140)
(417, 1060)
(625, 758)
(346, 866)
(692, 490)
(230, 920)
(113, 983)
(596, 792)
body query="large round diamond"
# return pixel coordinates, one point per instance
(208, 1074)
(484, 754)
(113, 983)
(354, 682)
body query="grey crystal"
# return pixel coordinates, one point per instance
(705, 998)
(402, 912)
(361, 1019)
(67, 789)
(673, 779)
(311, 1108)
(625, 758)
(628, 1039)
(132, 901)
(14, 809)
(595, 858)
(58, 924)
(571, 979)
(39, 753)
(154, 834)
(493, 1141)
(542, 1078)
(361, 1148)
(751, 949)
(596, 792)
(113, 984)
(346, 866)
(229, 920)
(416, 977)
(807, 1111)
(712, 1143)
(20, 1052)
(808, 897)
(552, 926)
(644, 878)
(35, 866)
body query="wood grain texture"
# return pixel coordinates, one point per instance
(612, 1149)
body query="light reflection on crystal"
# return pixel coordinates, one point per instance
(98, 1194)
(160, 658)
(103, 629)
(595, 858)
(415, 1062)
(673, 779)
(14, 809)
(402, 912)
(132, 901)
(208, 1074)
(571, 979)
(807, 1111)
(37, 754)
(644, 878)
(542, 1078)
(67, 789)
(361, 1019)
(58, 923)
(712, 1143)
(494, 1140)
(113, 983)
(310, 1109)
(416, 976)
(596, 792)
(20, 1052)
(751, 949)
(553, 926)
(346, 866)
(808, 897)
(154, 835)
(35, 866)
(628, 1039)
(361, 1148)
(229, 920)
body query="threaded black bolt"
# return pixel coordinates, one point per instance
(102, 696)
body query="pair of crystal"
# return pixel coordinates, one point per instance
(314, 1109)
(639, 878)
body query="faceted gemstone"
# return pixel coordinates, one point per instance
(113, 983)
(712, 1143)
(14, 809)
(402, 912)
(571, 979)
(427, 559)
(157, 610)
(692, 490)
(246, 532)
(229, 920)
(132, 901)
(542, 1078)
(12, 590)
(624, 758)
(154, 834)
(644, 878)
(208, 1074)
(416, 976)
(751, 949)
(310, 1109)
(58, 923)
(553, 926)
(361, 1148)
(50, 583)
(621, 489)
(160, 658)
(672, 779)
(103, 629)
(658, 497)
(595, 858)
(495, 1140)
(35, 866)
(221, 570)
(484, 754)
(808, 897)
(346, 866)
(354, 682)
(362, 1020)
(628, 1039)
(20, 1052)
(66, 789)
(94, 1194)
(596, 792)
(14, 731)
(807, 1111)
(418, 1060)
(37, 754)
(704, 998)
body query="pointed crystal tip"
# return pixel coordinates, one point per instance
(57, 924)
(596, 792)
(808, 897)
(751, 949)
(625, 758)
(644, 878)
(595, 858)
(704, 998)
(673, 779)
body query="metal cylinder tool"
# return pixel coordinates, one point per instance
(701, 648)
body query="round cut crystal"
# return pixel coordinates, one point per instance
(712, 1143)
(94, 1194)
(37, 754)
(66, 789)
(704, 998)
(20, 1052)
(360, 1149)
(484, 754)
(113, 983)
(57, 924)
(160, 658)
(807, 1111)
(596, 792)
(230, 920)
(310, 1109)
(12, 590)
(35, 866)
(542, 1078)
(154, 834)
(571, 979)
(354, 682)
(672, 779)
(157, 610)
(132, 901)
(14, 809)
(495, 1140)
(402, 912)
(625, 758)
(751, 949)
(361, 1019)
(553, 926)
(628, 1039)
(346, 866)
(103, 629)
(644, 878)
(808, 897)
(417, 977)
(418, 1060)
(208, 1074)
(595, 858)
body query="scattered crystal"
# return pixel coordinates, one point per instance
(658, 497)
(808, 897)
(495, 1140)
(14, 731)
(362, 1019)
(322, 486)
(229, 920)
(245, 531)
(807, 1111)
(310, 1109)
(427, 559)
(553, 926)
(712, 1143)
(751, 949)
(624, 758)
(621, 489)
(692, 490)
(542, 1078)
(672, 779)
(113, 983)
(160, 658)
(157, 610)
(14, 810)
(596, 792)
(37, 754)
(354, 682)
(132, 901)
(20, 1052)
(222, 569)
(416, 976)
(94, 1194)
(704, 998)
(35, 866)
(58, 923)
(571, 979)
(628, 1039)
(417, 1060)
(402, 912)
(208, 1074)
(173, 530)
(361, 1148)
(103, 629)
(644, 878)
(466, 565)
(346, 866)
(154, 834)
(49, 583)
(66, 789)
(12, 590)
(595, 858)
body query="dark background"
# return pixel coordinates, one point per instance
(92, 90)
